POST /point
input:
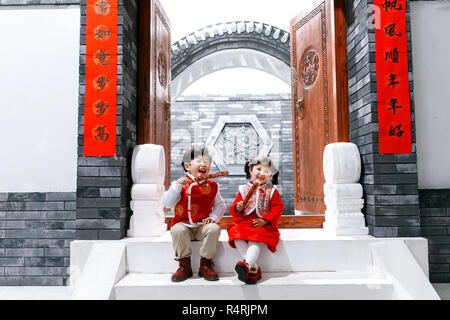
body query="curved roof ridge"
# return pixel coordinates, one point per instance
(230, 27)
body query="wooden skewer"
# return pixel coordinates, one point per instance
(250, 193)
(212, 175)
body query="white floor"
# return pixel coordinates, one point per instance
(64, 293)
(35, 293)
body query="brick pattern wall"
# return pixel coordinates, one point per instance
(128, 82)
(390, 180)
(36, 227)
(104, 183)
(35, 233)
(435, 221)
(194, 117)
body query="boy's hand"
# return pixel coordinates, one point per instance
(240, 206)
(208, 220)
(260, 222)
(183, 180)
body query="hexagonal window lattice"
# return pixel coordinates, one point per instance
(235, 139)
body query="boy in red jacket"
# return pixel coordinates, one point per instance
(198, 208)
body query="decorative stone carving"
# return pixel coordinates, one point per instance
(343, 192)
(342, 164)
(310, 67)
(235, 139)
(147, 172)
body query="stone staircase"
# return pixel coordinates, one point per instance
(308, 264)
(339, 261)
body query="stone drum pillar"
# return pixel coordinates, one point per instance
(147, 172)
(343, 192)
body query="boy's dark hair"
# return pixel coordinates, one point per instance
(261, 160)
(193, 153)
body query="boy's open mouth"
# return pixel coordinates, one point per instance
(202, 171)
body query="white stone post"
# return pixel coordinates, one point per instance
(147, 172)
(343, 192)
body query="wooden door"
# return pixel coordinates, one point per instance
(319, 96)
(154, 78)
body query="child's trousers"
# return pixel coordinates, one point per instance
(183, 235)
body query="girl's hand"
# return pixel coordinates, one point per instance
(183, 180)
(260, 222)
(240, 206)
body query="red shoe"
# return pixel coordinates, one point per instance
(184, 271)
(206, 270)
(254, 276)
(242, 269)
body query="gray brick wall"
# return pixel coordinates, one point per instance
(104, 183)
(390, 180)
(435, 221)
(36, 227)
(129, 83)
(35, 232)
(194, 117)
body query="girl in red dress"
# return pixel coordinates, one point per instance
(255, 223)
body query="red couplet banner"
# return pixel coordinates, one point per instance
(394, 116)
(100, 102)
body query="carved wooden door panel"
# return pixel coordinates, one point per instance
(319, 96)
(161, 82)
(154, 78)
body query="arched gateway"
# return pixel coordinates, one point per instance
(239, 44)
(227, 45)
(309, 58)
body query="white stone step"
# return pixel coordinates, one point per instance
(299, 250)
(272, 286)
(314, 251)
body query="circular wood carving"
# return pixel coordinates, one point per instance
(162, 69)
(310, 67)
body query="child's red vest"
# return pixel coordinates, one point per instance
(260, 200)
(196, 201)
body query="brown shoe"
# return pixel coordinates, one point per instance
(184, 271)
(206, 270)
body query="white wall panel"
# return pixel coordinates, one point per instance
(430, 27)
(39, 62)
